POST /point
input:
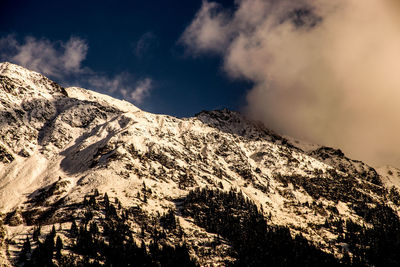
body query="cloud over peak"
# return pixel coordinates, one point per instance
(324, 71)
(63, 61)
(55, 59)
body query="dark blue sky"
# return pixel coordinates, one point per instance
(182, 85)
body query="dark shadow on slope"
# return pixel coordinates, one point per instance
(56, 118)
(77, 160)
(67, 111)
(77, 114)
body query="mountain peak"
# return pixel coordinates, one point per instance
(235, 123)
(8, 65)
(15, 71)
(19, 80)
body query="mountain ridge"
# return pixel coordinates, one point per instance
(60, 145)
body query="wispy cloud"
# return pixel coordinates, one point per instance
(145, 44)
(64, 62)
(141, 91)
(326, 71)
(123, 86)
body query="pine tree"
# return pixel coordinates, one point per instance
(59, 247)
(53, 232)
(26, 250)
(27, 245)
(93, 202)
(74, 229)
(106, 201)
(45, 251)
(96, 192)
(85, 201)
(36, 233)
(93, 229)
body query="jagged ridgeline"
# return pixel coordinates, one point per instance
(88, 180)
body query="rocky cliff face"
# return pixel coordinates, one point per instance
(195, 188)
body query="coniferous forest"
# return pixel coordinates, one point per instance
(96, 240)
(103, 236)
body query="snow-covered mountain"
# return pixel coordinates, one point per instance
(67, 153)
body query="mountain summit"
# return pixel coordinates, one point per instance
(89, 180)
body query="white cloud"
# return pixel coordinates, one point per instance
(56, 59)
(209, 31)
(63, 61)
(325, 71)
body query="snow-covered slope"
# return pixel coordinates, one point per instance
(80, 141)
(390, 176)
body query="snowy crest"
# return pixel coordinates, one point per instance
(61, 146)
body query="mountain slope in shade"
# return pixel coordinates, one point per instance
(63, 149)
